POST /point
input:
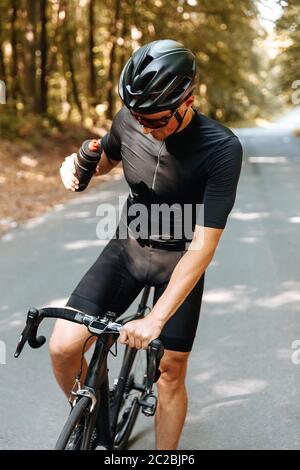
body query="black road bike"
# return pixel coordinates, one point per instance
(100, 414)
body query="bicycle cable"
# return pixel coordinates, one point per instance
(78, 376)
(77, 385)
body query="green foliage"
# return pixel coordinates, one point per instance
(27, 127)
(226, 37)
(288, 61)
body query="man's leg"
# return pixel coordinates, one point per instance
(108, 285)
(172, 399)
(177, 336)
(65, 347)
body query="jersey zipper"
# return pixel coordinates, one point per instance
(154, 178)
(157, 165)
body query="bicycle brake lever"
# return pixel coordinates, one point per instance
(155, 353)
(149, 401)
(34, 341)
(30, 331)
(22, 340)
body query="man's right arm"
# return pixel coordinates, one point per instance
(68, 171)
(111, 143)
(105, 165)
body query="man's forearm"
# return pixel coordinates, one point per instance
(185, 276)
(105, 165)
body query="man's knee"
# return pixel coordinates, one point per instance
(66, 342)
(173, 368)
(61, 349)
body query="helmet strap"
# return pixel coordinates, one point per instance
(179, 119)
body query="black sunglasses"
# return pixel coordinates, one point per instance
(154, 123)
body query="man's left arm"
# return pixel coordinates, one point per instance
(218, 201)
(187, 272)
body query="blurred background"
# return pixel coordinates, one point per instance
(62, 58)
(60, 61)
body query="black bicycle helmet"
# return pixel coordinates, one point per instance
(158, 77)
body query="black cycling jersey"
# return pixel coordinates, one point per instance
(199, 165)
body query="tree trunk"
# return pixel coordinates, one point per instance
(92, 70)
(73, 78)
(70, 63)
(44, 52)
(30, 66)
(2, 62)
(2, 66)
(125, 32)
(112, 58)
(14, 60)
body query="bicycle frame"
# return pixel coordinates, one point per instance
(100, 409)
(96, 385)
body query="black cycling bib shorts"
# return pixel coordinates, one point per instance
(199, 165)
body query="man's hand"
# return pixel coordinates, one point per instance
(139, 333)
(68, 173)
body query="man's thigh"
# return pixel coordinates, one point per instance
(107, 285)
(179, 332)
(67, 337)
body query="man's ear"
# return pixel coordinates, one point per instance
(190, 100)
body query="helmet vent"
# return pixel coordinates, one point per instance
(147, 60)
(143, 82)
(129, 71)
(180, 89)
(166, 81)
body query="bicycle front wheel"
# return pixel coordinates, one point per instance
(125, 397)
(73, 435)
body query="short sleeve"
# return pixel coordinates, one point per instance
(223, 177)
(111, 142)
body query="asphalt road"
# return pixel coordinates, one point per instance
(243, 386)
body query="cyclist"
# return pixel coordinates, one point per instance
(171, 154)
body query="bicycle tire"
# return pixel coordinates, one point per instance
(126, 419)
(77, 414)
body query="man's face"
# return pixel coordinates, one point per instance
(166, 130)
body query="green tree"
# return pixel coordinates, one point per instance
(64, 57)
(288, 60)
